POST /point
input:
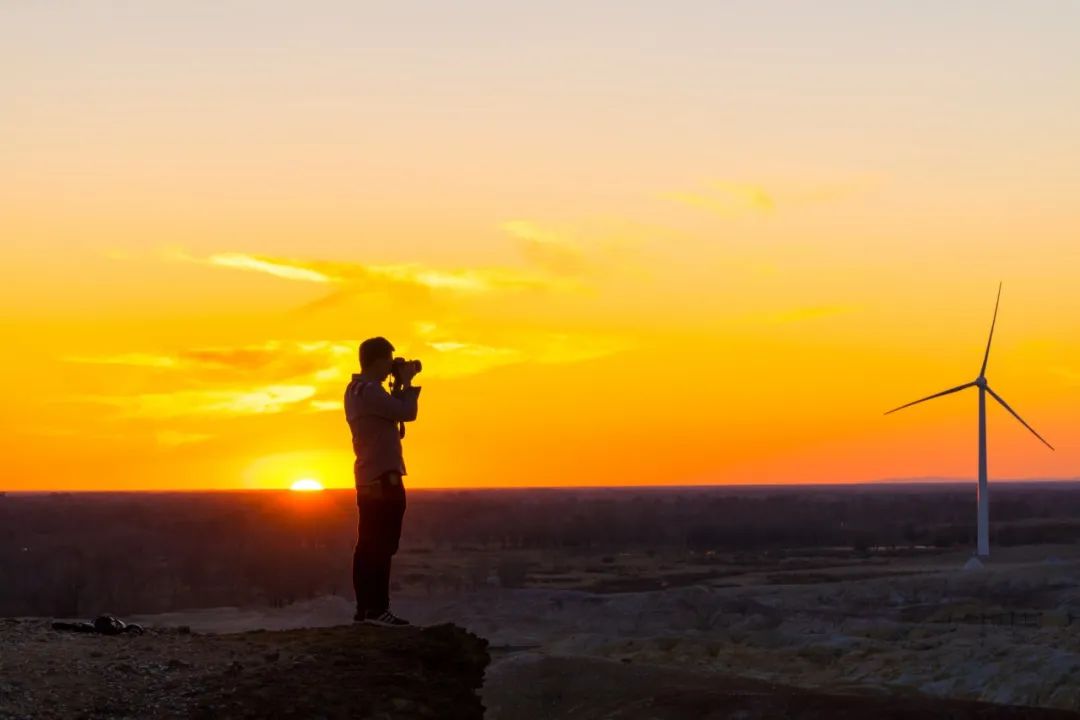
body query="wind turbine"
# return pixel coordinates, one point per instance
(983, 549)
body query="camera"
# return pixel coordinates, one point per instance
(400, 364)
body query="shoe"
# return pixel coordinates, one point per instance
(386, 619)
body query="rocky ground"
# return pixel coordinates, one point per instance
(346, 671)
(1008, 634)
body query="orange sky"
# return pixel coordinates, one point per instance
(674, 244)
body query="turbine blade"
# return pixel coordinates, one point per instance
(931, 397)
(1006, 406)
(982, 371)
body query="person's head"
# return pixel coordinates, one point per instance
(376, 357)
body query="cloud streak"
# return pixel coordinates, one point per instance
(360, 276)
(727, 199)
(274, 359)
(129, 359)
(732, 199)
(415, 282)
(309, 376)
(549, 250)
(252, 401)
(554, 262)
(288, 270)
(454, 358)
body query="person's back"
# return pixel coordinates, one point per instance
(375, 419)
(373, 416)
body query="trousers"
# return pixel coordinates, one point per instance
(378, 533)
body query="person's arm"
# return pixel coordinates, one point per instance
(410, 395)
(401, 406)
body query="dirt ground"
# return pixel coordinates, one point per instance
(831, 624)
(589, 689)
(348, 671)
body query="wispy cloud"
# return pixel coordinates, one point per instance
(727, 199)
(562, 348)
(479, 280)
(416, 283)
(731, 199)
(252, 401)
(289, 270)
(555, 261)
(230, 381)
(325, 406)
(308, 376)
(361, 276)
(128, 359)
(547, 249)
(165, 437)
(450, 346)
(272, 359)
(456, 357)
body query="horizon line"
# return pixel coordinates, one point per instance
(926, 480)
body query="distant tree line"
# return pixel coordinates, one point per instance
(75, 555)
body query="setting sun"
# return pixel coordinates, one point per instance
(306, 485)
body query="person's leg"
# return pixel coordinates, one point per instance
(394, 514)
(366, 578)
(357, 568)
(390, 511)
(381, 594)
(382, 530)
(359, 580)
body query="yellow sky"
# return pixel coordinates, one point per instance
(677, 244)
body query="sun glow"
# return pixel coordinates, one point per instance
(306, 485)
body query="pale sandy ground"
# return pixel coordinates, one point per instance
(902, 634)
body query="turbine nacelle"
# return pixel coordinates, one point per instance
(980, 382)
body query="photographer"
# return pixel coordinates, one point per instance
(377, 421)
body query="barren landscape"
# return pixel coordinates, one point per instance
(911, 626)
(608, 609)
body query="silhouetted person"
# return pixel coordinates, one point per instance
(376, 420)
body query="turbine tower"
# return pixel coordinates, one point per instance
(983, 549)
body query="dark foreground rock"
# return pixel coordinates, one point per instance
(349, 671)
(593, 689)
